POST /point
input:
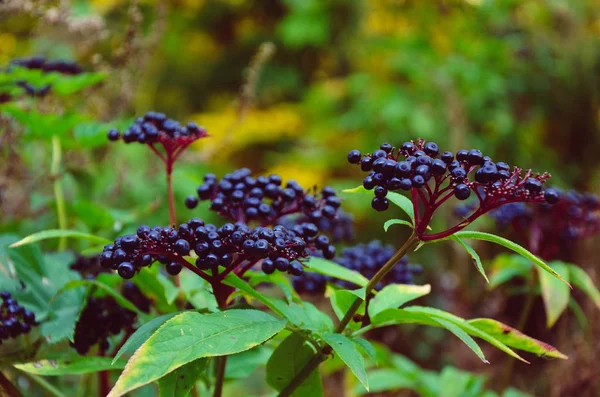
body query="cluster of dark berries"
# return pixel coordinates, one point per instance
(48, 66)
(33, 91)
(15, 320)
(101, 318)
(366, 259)
(418, 165)
(230, 244)
(551, 231)
(241, 197)
(88, 266)
(155, 127)
(135, 295)
(339, 229)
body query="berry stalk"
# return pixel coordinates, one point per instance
(59, 196)
(314, 363)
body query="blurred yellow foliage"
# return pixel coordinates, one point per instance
(104, 6)
(8, 45)
(202, 47)
(229, 134)
(307, 177)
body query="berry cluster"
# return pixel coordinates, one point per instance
(47, 66)
(241, 197)
(15, 320)
(135, 295)
(415, 164)
(101, 318)
(155, 127)
(551, 231)
(229, 246)
(339, 229)
(88, 266)
(366, 259)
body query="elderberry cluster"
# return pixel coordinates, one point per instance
(241, 197)
(340, 228)
(135, 295)
(366, 259)
(88, 266)
(48, 66)
(15, 320)
(416, 164)
(230, 244)
(155, 127)
(101, 318)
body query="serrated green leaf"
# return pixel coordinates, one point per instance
(278, 279)
(515, 338)
(474, 255)
(142, 334)
(511, 246)
(57, 233)
(349, 353)
(462, 335)
(190, 336)
(584, 282)
(332, 269)
(395, 295)
(180, 382)
(286, 362)
(65, 310)
(555, 294)
(77, 366)
(391, 222)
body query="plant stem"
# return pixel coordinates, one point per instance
(221, 362)
(309, 367)
(59, 196)
(171, 197)
(7, 386)
(44, 384)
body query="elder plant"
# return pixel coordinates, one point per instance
(281, 234)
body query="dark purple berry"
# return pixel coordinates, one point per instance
(380, 204)
(354, 157)
(462, 191)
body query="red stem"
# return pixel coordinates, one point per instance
(103, 382)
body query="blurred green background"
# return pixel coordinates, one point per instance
(289, 86)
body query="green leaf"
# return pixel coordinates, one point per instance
(457, 383)
(342, 300)
(236, 282)
(462, 335)
(386, 379)
(507, 266)
(121, 300)
(401, 201)
(584, 282)
(65, 310)
(241, 365)
(304, 315)
(391, 222)
(147, 280)
(278, 279)
(514, 338)
(190, 336)
(57, 233)
(395, 295)
(142, 334)
(286, 362)
(76, 366)
(367, 347)
(180, 382)
(554, 293)
(67, 85)
(349, 353)
(332, 269)
(474, 255)
(511, 246)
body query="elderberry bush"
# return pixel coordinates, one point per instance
(101, 318)
(243, 198)
(230, 245)
(366, 259)
(421, 166)
(15, 320)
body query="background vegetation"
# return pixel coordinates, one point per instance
(289, 86)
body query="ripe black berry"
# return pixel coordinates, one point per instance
(462, 191)
(15, 320)
(126, 270)
(191, 202)
(354, 157)
(551, 196)
(380, 204)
